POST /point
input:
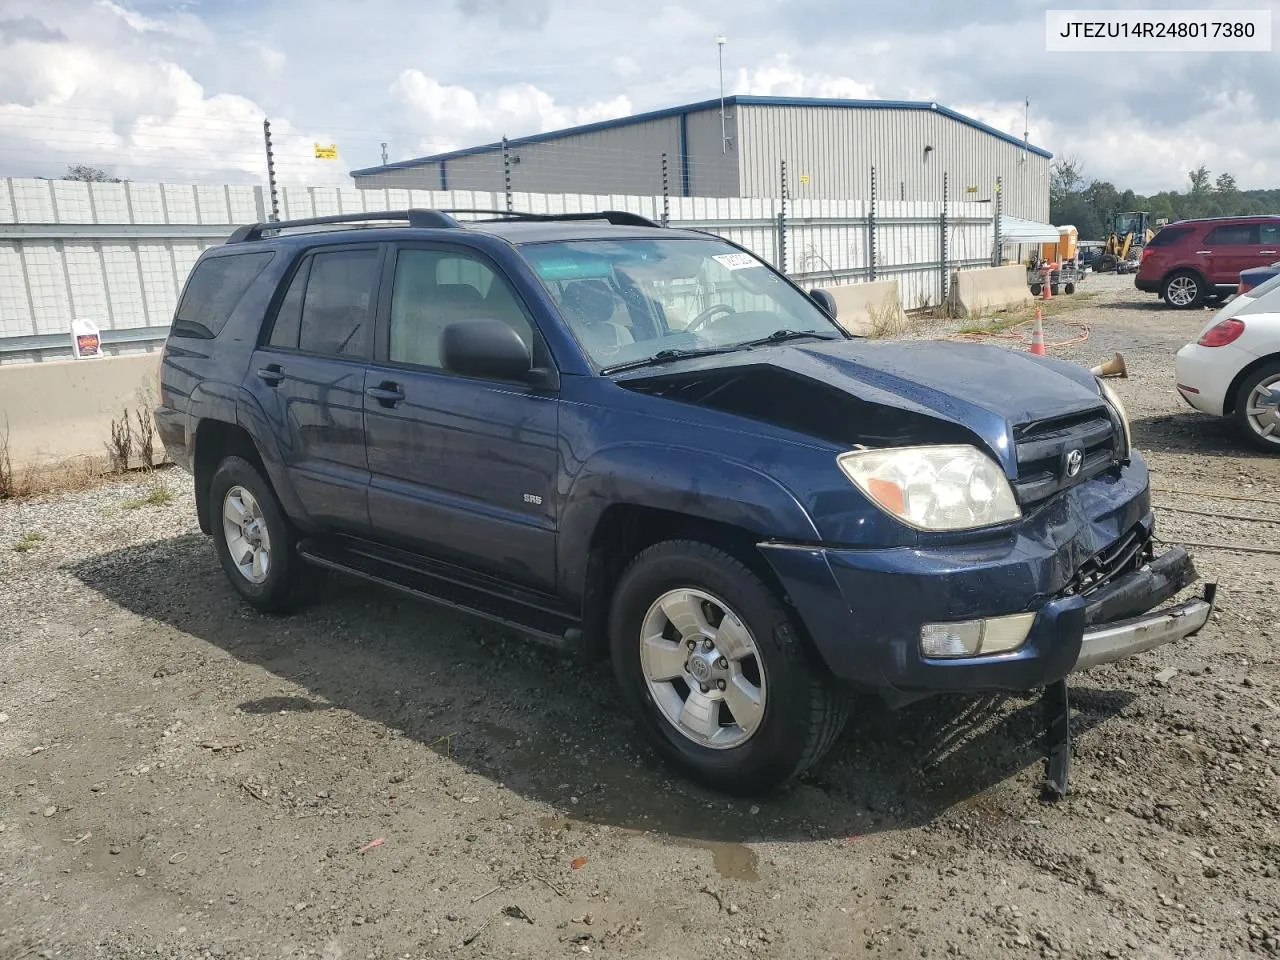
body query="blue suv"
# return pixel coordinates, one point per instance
(644, 443)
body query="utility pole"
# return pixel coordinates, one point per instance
(271, 170)
(384, 153)
(721, 40)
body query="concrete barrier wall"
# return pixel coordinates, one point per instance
(989, 288)
(63, 409)
(870, 308)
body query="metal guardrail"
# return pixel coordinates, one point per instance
(62, 341)
(114, 231)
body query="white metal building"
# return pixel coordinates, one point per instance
(830, 147)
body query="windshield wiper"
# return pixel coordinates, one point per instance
(666, 356)
(779, 336)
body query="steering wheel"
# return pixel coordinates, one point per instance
(700, 321)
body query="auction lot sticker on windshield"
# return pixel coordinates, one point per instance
(736, 261)
(1157, 31)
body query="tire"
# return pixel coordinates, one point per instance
(1183, 290)
(1070, 288)
(1036, 289)
(1053, 289)
(274, 578)
(801, 712)
(1253, 426)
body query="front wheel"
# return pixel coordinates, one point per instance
(1257, 410)
(715, 672)
(1070, 288)
(255, 543)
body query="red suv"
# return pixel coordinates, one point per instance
(1192, 261)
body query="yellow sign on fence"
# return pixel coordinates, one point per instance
(804, 178)
(329, 152)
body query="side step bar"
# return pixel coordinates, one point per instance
(530, 614)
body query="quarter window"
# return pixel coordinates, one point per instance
(1233, 235)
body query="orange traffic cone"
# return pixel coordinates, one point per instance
(1037, 335)
(1045, 293)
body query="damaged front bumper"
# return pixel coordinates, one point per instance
(865, 608)
(1117, 630)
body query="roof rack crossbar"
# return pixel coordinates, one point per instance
(619, 218)
(414, 217)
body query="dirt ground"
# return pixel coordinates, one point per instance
(373, 778)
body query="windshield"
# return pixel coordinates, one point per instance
(629, 300)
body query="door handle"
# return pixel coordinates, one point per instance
(271, 374)
(386, 393)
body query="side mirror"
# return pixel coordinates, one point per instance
(483, 347)
(824, 300)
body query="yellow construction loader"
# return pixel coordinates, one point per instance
(1130, 232)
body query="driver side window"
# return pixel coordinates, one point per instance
(435, 288)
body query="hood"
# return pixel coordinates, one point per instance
(979, 390)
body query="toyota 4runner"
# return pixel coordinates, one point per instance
(645, 443)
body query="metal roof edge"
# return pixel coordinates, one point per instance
(736, 99)
(890, 105)
(598, 125)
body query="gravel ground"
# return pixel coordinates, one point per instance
(373, 778)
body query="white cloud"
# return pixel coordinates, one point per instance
(155, 89)
(781, 79)
(97, 90)
(457, 116)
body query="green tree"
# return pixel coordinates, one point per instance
(82, 171)
(1067, 176)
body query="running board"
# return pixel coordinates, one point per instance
(532, 614)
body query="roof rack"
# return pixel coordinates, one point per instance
(619, 218)
(414, 217)
(417, 217)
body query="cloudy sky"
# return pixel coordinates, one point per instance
(178, 90)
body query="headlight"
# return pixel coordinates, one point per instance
(1112, 398)
(933, 488)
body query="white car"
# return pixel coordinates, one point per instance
(1233, 368)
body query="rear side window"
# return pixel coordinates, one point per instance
(1233, 235)
(1168, 236)
(216, 287)
(1270, 234)
(328, 308)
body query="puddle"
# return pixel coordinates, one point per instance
(733, 861)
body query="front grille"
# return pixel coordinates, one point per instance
(1128, 553)
(1043, 449)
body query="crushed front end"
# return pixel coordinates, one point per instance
(1076, 582)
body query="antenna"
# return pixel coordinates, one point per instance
(1026, 129)
(721, 40)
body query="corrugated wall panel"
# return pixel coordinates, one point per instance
(71, 201)
(835, 148)
(111, 202)
(124, 286)
(85, 281)
(15, 309)
(625, 159)
(47, 281)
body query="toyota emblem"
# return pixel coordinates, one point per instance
(1075, 460)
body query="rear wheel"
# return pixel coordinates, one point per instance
(1183, 290)
(1070, 288)
(255, 543)
(1257, 410)
(1036, 289)
(715, 673)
